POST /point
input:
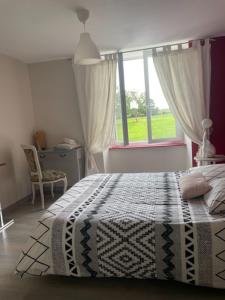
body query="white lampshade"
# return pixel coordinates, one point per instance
(86, 52)
(207, 123)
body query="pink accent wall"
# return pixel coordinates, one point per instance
(194, 151)
(217, 105)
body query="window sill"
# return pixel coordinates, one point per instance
(153, 145)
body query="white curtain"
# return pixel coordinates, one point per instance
(96, 91)
(184, 75)
(205, 53)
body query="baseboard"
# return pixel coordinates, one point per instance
(13, 206)
(16, 204)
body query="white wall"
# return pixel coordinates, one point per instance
(154, 159)
(16, 127)
(54, 98)
(43, 96)
(56, 112)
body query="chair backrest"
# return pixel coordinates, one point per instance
(33, 161)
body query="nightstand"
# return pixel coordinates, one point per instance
(209, 160)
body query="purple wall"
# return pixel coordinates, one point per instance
(217, 104)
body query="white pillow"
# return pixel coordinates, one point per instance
(193, 185)
(215, 199)
(211, 172)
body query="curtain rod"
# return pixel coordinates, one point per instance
(160, 46)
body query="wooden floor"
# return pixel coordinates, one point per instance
(63, 288)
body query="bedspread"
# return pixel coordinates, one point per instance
(128, 225)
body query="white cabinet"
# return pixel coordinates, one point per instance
(69, 161)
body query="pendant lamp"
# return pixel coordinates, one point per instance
(86, 53)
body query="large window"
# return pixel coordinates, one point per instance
(142, 113)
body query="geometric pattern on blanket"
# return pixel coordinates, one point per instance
(33, 261)
(126, 237)
(33, 264)
(128, 225)
(71, 263)
(168, 252)
(221, 254)
(189, 253)
(189, 243)
(126, 248)
(32, 258)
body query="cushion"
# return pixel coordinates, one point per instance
(215, 199)
(193, 185)
(211, 172)
(49, 175)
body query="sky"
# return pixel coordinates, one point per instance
(134, 80)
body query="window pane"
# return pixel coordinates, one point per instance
(163, 123)
(119, 124)
(135, 98)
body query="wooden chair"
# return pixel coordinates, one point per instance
(40, 177)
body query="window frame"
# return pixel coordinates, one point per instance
(144, 54)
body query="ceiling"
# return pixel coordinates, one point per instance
(39, 30)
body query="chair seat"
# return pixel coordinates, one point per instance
(49, 175)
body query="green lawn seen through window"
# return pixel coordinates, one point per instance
(163, 127)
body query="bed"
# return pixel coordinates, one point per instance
(128, 225)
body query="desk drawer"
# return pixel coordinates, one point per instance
(66, 161)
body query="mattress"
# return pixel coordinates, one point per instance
(128, 225)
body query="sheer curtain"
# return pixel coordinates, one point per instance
(184, 75)
(96, 91)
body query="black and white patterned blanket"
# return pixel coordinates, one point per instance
(128, 225)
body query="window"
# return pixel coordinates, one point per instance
(142, 113)
(118, 115)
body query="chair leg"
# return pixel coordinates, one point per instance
(65, 185)
(33, 192)
(52, 190)
(42, 195)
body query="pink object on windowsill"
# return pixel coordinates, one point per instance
(172, 143)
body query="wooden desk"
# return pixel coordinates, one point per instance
(2, 224)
